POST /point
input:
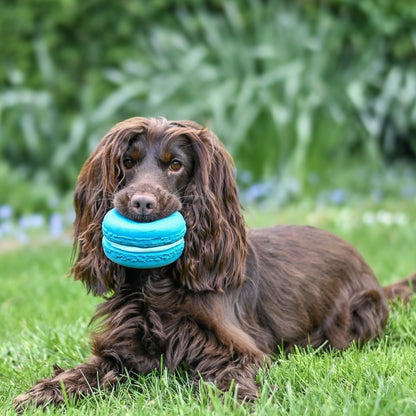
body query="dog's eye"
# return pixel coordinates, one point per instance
(175, 165)
(128, 162)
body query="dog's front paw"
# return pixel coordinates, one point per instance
(42, 394)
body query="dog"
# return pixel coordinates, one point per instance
(234, 298)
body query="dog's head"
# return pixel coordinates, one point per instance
(147, 169)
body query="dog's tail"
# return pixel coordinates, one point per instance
(402, 289)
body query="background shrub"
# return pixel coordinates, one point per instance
(295, 89)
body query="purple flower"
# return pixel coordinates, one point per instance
(56, 226)
(6, 228)
(257, 191)
(31, 221)
(6, 211)
(24, 222)
(338, 196)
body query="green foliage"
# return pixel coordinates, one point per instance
(291, 87)
(22, 195)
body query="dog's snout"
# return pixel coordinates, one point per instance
(143, 204)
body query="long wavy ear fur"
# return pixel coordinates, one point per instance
(215, 243)
(99, 179)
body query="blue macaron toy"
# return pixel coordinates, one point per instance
(143, 245)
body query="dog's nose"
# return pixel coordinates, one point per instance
(143, 204)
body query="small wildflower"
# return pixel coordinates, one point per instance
(37, 220)
(338, 196)
(6, 211)
(385, 218)
(257, 191)
(56, 225)
(31, 221)
(24, 222)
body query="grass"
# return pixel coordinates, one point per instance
(44, 320)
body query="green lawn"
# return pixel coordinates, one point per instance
(44, 320)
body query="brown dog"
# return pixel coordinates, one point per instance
(233, 298)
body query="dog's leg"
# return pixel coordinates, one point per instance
(116, 349)
(83, 379)
(359, 319)
(229, 363)
(403, 289)
(237, 373)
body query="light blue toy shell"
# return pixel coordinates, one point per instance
(143, 245)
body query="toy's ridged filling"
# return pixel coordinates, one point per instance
(144, 250)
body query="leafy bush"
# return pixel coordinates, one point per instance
(22, 195)
(292, 88)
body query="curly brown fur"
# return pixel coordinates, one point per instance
(233, 298)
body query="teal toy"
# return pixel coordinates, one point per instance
(143, 245)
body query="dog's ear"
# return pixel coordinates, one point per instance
(99, 179)
(215, 242)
